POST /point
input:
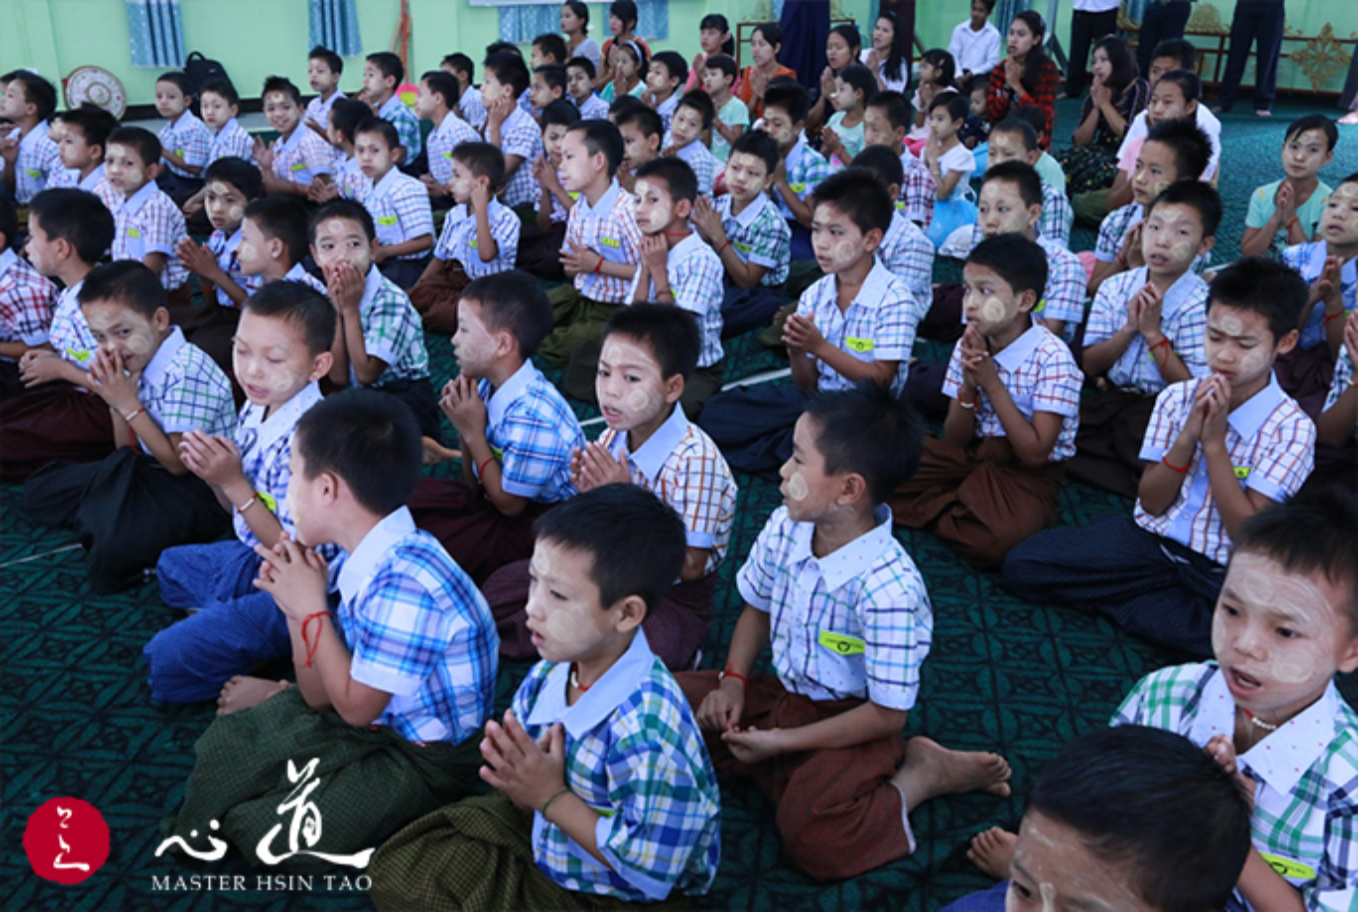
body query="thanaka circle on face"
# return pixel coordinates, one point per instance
(625, 363)
(994, 310)
(271, 360)
(796, 488)
(473, 344)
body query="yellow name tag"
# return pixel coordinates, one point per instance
(841, 644)
(81, 356)
(268, 500)
(180, 153)
(900, 205)
(797, 188)
(33, 172)
(387, 220)
(744, 248)
(610, 242)
(299, 166)
(1242, 472)
(574, 194)
(1289, 869)
(1039, 308)
(446, 154)
(475, 243)
(134, 233)
(863, 346)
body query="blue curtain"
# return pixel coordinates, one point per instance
(521, 23)
(155, 36)
(805, 24)
(332, 23)
(1007, 11)
(654, 19)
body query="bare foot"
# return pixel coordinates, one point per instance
(243, 692)
(434, 453)
(930, 770)
(991, 852)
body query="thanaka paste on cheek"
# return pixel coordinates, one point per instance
(797, 488)
(657, 219)
(994, 310)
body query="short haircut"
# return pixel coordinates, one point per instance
(347, 209)
(483, 159)
(760, 144)
(791, 98)
(74, 216)
(9, 222)
(582, 63)
(859, 195)
(1263, 286)
(360, 436)
(1025, 177)
(625, 104)
(954, 103)
(601, 138)
(1313, 122)
(94, 123)
(501, 47)
(680, 180)
(442, 83)
(461, 63)
(1190, 145)
(700, 102)
(1180, 49)
(389, 64)
(1020, 262)
(635, 541)
(676, 65)
(180, 80)
(144, 142)
(1030, 113)
(562, 112)
(723, 62)
(1200, 196)
(1030, 139)
(513, 302)
(282, 218)
(301, 304)
(1311, 534)
(37, 91)
(1187, 81)
(870, 432)
(347, 114)
(646, 120)
(882, 162)
(1154, 801)
(239, 172)
(380, 127)
(860, 78)
(127, 282)
(553, 46)
(1351, 179)
(672, 335)
(508, 68)
(223, 88)
(282, 85)
(895, 106)
(553, 74)
(329, 57)
(980, 84)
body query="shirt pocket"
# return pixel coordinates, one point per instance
(840, 661)
(611, 249)
(135, 242)
(388, 230)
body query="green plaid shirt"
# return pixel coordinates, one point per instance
(393, 331)
(1306, 776)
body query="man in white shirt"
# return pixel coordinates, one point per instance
(975, 44)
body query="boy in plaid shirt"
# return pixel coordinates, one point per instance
(185, 139)
(801, 168)
(905, 250)
(395, 657)
(398, 203)
(219, 105)
(1014, 386)
(299, 159)
(887, 118)
(26, 302)
(85, 133)
(847, 618)
(599, 743)
(517, 432)
(1217, 451)
(148, 225)
(31, 159)
(139, 501)
(1014, 139)
(692, 118)
(275, 242)
(1146, 330)
(325, 72)
(439, 99)
(539, 245)
(512, 129)
(380, 80)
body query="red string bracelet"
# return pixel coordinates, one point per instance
(479, 473)
(728, 673)
(1167, 346)
(1326, 320)
(1179, 469)
(310, 649)
(598, 267)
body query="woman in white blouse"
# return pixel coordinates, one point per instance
(976, 44)
(885, 59)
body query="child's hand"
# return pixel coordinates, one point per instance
(197, 259)
(1132, 254)
(754, 744)
(708, 222)
(263, 154)
(1149, 307)
(193, 205)
(1191, 431)
(213, 458)
(320, 191)
(295, 576)
(498, 112)
(1327, 287)
(580, 259)
(1222, 750)
(802, 335)
(1285, 203)
(594, 467)
(464, 408)
(346, 285)
(980, 370)
(38, 365)
(112, 383)
(655, 252)
(828, 83)
(529, 772)
(479, 195)
(545, 173)
(1214, 425)
(721, 710)
(831, 143)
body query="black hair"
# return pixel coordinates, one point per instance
(585, 64)
(1263, 286)
(281, 84)
(981, 83)
(859, 195)
(1025, 177)
(1179, 49)
(461, 63)
(9, 222)
(1351, 179)
(501, 47)
(1029, 137)
(860, 78)
(94, 123)
(646, 119)
(1313, 122)
(895, 106)
(359, 436)
(615, 520)
(869, 432)
(1032, 115)
(181, 81)
(724, 62)
(389, 64)
(1020, 262)
(581, 11)
(127, 282)
(285, 219)
(897, 58)
(987, 3)
(670, 333)
(553, 46)
(1035, 57)
(675, 64)
(1190, 144)
(681, 182)
(1125, 69)
(1156, 802)
(301, 304)
(328, 56)
(383, 128)
(719, 22)
(851, 36)
(1311, 534)
(347, 114)
(349, 210)
(1188, 82)
(700, 102)
(223, 88)
(791, 98)
(37, 91)
(562, 111)
(483, 159)
(944, 64)
(643, 62)
(553, 74)
(954, 103)
(513, 302)
(625, 105)
(882, 162)
(626, 12)
(1200, 196)
(239, 172)
(760, 144)
(601, 138)
(144, 142)
(771, 32)
(508, 69)
(74, 216)
(440, 82)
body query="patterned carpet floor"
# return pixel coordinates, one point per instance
(76, 717)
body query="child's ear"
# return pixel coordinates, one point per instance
(682, 208)
(894, 191)
(631, 612)
(505, 343)
(375, 246)
(674, 388)
(1207, 243)
(853, 488)
(152, 170)
(1026, 300)
(396, 155)
(654, 142)
(322, 363)
(899, 134)
(872, 239)
(1033, 157)
(162, 319)
(1286, 343)
(1034, 212)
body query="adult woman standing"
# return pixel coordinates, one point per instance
(885, 57)
(574, 22)
(1116, 96)
(755, 79)
(1025, 76)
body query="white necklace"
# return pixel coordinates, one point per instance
(1260, 723)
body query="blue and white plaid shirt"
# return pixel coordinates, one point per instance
(447, 135)
(148, 222)
(856, 623)
(401, 209)
(609, 229)
(633, 753)
(71, 177)
(184, 390)
(188, 137)
(1339, 382)
(298, 273)
(759, 234)
(265, 445)
(532, 432)
(460, 239)
(1182, 321)
(1056, 215)
(695, 272)
(804, 169)
(879, 325)
(1309, 259)
(918, 198)
(318, 110)
(1112, 235)
(226, 250)
(520, 135)
(908, 253)
(26, 301)
(705, 166)
(231, 141)
(302, 157)
(1066, 288)
(405, 124)
(417, 628)
(472, 107)
(594, 108)
(70, 334)
(39, 161)
(393, 331)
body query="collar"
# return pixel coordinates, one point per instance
(359, 566)
(297, 273)
(650, 457)
(603, 209)
(92, 180)
(232, 241)
(156, 369)
(897, 227)
(229, 127)
(134, 203)
(694, 148)
(1179, 291)
(266, 431)
(180, 121)
(1248, 418)
(620, 681)
(795, 155)
(748, 215)
(8, 258)
(389, 105)
(851, 559)
(685, 247)
(1022, 347)
(386, 183)
(513, 387)
(297, 137)
(872, 290)
(70, 294)
(448, 122)
(373, 280)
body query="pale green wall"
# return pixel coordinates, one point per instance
(258, 38)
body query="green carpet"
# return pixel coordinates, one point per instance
(76, 717)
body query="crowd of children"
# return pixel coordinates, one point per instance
(619, 214)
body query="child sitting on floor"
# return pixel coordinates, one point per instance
(905, 251)
(843, 135)
(730, 116)
(579, 88)
(512, 129)
(299, 160)
(1013, 139)
(439, 100)
(148, 226)
(275, 241)
(393, 683)
(219, 106)
(26, 303)
(643, 136)
(801, 168)
(846, 615)
(324, 73)
(691, 121)
(950, 165)
(398, 204)
(184, 140)
(380, 81)
(85, 133)
(599, 743)
(31, 159)
(1289, 211)
(664, 75)
(539, 245)
(886, 120)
